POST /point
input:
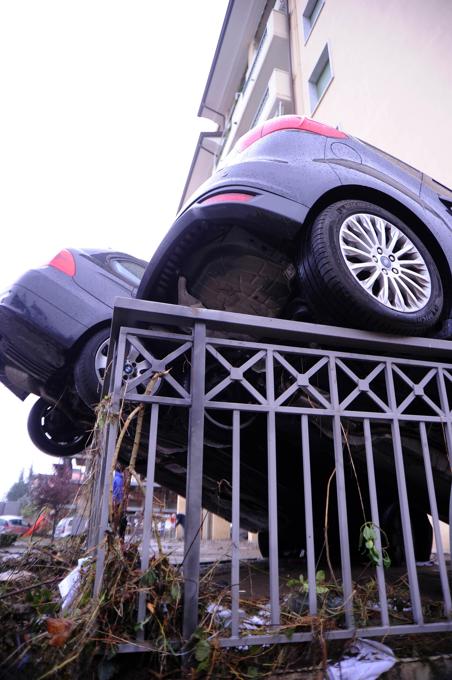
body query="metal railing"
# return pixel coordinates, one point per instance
(382, 420)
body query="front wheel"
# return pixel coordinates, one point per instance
(52, 432)
(365, 267)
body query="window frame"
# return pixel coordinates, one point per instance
(307, 20)
(321, 63)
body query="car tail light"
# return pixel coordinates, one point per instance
(227, 197)
(287, 123)
(65, 262)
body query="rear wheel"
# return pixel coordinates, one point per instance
(52, 432)
(364, 266)
(91, 366)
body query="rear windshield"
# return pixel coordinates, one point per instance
(128, 269)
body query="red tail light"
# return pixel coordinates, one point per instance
(65, 262)
(287, 123)
(227, 197)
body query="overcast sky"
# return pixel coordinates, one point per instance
(97, 131)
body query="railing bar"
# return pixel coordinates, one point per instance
(148, 508)
(106, 474)
(192, 530)
(104, 505)
(435, 520)
(235, 565)
(329, 411)
(307, 351)
(403, 503)
(272, 497)
(119, 365)
(446, 409)
(337, 634)
(310, 546)
(341, 501)
(155, 399)
(252, 390)
(376, 521)
(162, 334)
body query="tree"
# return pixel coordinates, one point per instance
(54, 491)
(18, 490)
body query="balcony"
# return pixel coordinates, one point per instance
(271, 59)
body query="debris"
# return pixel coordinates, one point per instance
(59, 631)
(223, 617)
(12, 575)
(365, 660)
(69, 586)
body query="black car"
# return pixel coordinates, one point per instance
(305, 222)
(54, 331)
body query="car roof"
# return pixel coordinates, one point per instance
(8, 517)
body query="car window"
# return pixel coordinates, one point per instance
(128, 269)
(17, 522)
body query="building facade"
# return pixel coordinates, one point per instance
(377, 69)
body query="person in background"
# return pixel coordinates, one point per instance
(119, 515)
(118, 487)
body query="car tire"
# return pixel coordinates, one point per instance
(90, 367)
(52, 432)
(288, 545)
(421, 530)
(350, 271)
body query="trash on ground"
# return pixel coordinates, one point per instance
(365, 660)
(69, 586)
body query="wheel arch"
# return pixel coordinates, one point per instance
(89, 333)
(397, 208)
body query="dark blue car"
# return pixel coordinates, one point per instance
(54, 332)
(306, 222)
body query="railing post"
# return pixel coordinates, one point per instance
(106, 477)
(194, 483)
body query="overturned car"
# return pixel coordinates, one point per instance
(304, 222)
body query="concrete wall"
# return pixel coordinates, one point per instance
(392, 84)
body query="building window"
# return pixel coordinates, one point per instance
(310, 15)
(321, 77)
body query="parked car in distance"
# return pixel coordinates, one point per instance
(13, 524)
(71, 526)
(306, 222)
(54, 331)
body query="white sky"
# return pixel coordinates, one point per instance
(97, 132)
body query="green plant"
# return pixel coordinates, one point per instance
(302, 586)
(368, 545)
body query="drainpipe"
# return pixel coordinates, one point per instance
(292, 91)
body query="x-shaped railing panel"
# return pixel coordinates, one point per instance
(302, 381)
(362, 385)
(156, 366)
(417, 390)
(235, 373)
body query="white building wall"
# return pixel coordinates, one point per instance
(392, 75)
